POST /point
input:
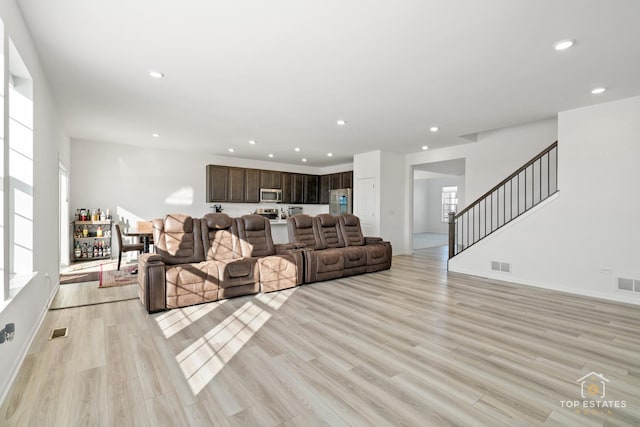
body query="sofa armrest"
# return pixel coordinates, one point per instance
(372, 240)
(285, 248)
(152, 282)
(148, 258)
(291, 245)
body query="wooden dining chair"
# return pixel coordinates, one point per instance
(126, 247)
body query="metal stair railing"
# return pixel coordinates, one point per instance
(530, 185)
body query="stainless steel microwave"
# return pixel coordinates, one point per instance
(270, 195)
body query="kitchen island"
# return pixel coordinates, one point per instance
(279, 230)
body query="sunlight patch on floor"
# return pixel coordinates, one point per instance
(201, 361)
(174, 321)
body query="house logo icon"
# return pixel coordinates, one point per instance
(592, 385)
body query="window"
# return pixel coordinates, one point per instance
(16, 203)
(449, 202)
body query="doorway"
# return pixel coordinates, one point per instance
(63, 214)
(432, 184)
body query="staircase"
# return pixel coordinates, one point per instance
(527, 187)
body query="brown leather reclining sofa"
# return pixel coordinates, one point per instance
(206, 259)
(334, 246)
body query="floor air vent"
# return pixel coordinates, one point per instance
(628, 284)
(58, 333)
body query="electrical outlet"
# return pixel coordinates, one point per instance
(605, 270)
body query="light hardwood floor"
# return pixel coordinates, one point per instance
(409, 346)
(89, 293)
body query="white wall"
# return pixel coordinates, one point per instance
(392, 201)
(590, 224)
(142, 184)
(495, 155)
(28, 308)
(421, 205)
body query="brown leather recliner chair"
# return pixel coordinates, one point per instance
(378, 252)
(280, 265)
(176, 276)
(236, 274)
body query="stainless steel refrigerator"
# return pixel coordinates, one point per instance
(340, 201)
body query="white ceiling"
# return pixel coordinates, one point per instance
(283, 71)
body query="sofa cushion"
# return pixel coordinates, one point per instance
(354, 256)
(254, 232)
(329, 260)
(177, 239)
(302, 229)
(254, 222)
(189, 284)
(219, 237)
(377, 254)
(329, 231)
(178, 223)
(351, 231)
(218, 221)
(277, 272)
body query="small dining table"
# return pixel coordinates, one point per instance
(146, 236)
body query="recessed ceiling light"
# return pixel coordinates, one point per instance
(330, 154)
(156, 74)
(341, 122)
(252, 142)
(304, 160)
(425, 147)
(563, 44)
(270, 155)
(155, 135)
(231, 150)
(296, 149)
(598, 90)
(433, 128)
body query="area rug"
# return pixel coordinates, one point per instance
(126, 276)
(79, 276)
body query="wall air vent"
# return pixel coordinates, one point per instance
(630, 285)
(505, 267)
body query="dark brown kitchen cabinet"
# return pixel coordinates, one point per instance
(297, 188)
(252, 185)
(236, 185)
(270, 179)
(310, 195)
(285, 180)
(217, 183)
(335, 181)
(325, 186)
(347, 179)
(242, 185)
